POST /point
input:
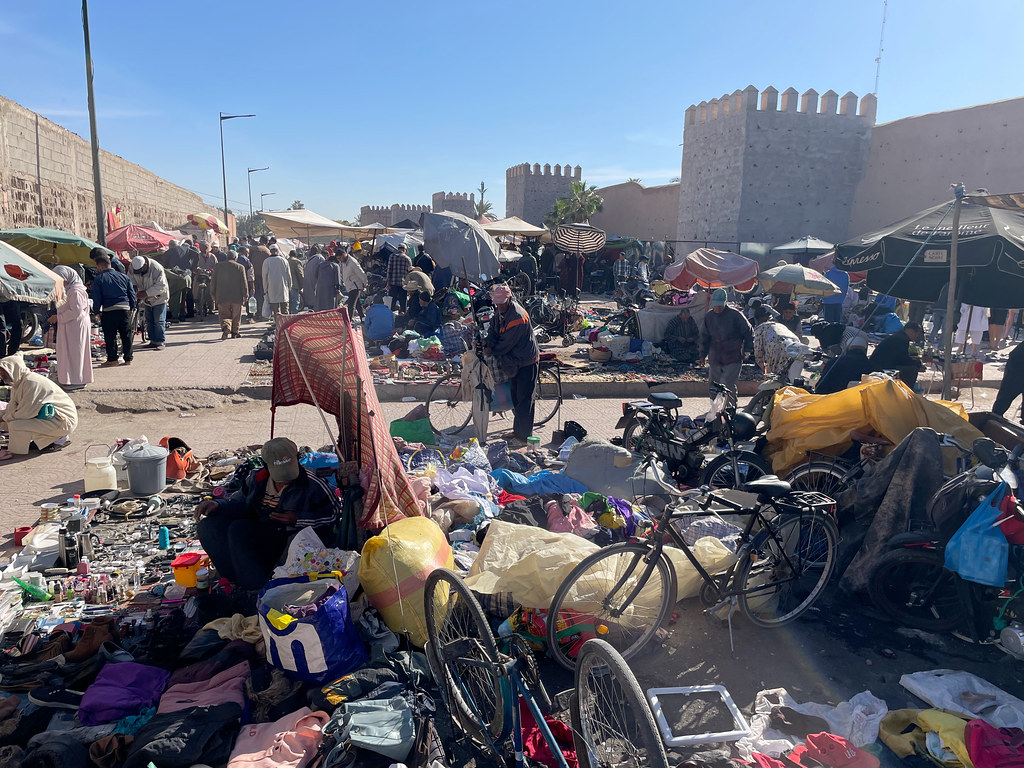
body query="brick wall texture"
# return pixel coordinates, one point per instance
(46, 180)
(530, 192)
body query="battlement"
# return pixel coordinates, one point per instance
(438, 196)
(751, 100)
(525, 169)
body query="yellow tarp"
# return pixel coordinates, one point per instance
(804, 422)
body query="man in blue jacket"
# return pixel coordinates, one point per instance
(510, 339)
(113, 297)
(246, 533)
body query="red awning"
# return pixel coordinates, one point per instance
(713, 269)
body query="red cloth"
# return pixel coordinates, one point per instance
(324, 346)
(534, 745)
(507, 498)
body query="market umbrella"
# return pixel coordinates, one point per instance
(990, 255)
(302, 223)
(826, 261)
(579, 238)
(22, 278)
(50, 246)
(136, 238)
(799, 279)
(207, 221)
(513, 225)
(460, 243)
(806, 244)
(713, 269)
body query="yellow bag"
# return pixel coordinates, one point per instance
(412, 548)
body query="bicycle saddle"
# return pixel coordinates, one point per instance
(769, 485)
(665, 399)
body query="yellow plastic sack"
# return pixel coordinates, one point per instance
(412, 548)
(804, 422)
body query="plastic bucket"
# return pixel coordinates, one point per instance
(147, 469)
(20, 534)
(185, 567)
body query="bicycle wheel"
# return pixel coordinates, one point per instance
(447, 409)
(719, 473)
(914, 589)
(821, 476)
(597, 600)
(548, 398)
(616, 726)
(786, 568)
(463, 645)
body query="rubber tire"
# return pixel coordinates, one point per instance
(497, 726)
(630, 430)
(724, 461)
(930, 562)
(759, 541)
(830, 480)
(549, 388)
(630, 702)
(663, 571)
(448, 380)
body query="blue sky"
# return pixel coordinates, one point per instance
(375, 103)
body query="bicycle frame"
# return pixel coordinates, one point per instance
(656, 543)
(509, 669)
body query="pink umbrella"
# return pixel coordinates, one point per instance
(136, 238)
(713, 269)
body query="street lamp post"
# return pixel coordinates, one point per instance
(265, 194)
(223, 167)
(249, 177)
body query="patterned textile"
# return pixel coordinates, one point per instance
(398, 266)
(324, 347)
(771, 341)
(621, 270)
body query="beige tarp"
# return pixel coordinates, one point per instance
(302, 224)
(513, 225)
(804, 422)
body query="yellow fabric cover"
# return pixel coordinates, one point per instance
(804, 422)
(950, 728)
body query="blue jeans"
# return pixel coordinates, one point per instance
(156, 322)
(294, 301)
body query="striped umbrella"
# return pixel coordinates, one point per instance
(579, 238)
(208, 221)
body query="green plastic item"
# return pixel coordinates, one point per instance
(47, 411)
(35, 591)
(418, 431)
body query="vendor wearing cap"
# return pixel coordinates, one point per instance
(510, 339)
(726, 334)
(151, 291)
(246, 533)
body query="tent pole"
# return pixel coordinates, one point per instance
(319, 410)
(947, 367)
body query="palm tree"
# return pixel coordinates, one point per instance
(634, 179)
(582, 203)
(483, 207)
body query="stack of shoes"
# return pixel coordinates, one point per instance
(99, 631)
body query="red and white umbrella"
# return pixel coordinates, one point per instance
(136, 238)
(208, 221)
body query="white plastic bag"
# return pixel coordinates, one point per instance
(966, 693)
(307, 554)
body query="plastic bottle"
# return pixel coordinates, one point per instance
(251, 305)
(33, 590)
(165, 538)
(148, 621)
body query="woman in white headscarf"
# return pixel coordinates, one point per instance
(74, 361)
(39, 411)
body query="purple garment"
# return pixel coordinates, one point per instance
(223, 688)
(302, 611)
(121, 690)
(625, 509)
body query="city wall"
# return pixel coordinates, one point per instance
(755, 168)
(915, 159)
(389, 215)
(531, 192)
(46, 180)
(456, 202)
(633, 210)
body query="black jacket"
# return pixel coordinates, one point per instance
(511, 339)
(892, 352)
(312, 500)
(848, 367)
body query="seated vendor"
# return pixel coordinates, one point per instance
(682, 338)
(424, 315)
(848, 367)
(246, 533)
(379, 323)
(893, 353)
(39, 412)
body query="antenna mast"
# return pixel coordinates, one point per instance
(881, 42)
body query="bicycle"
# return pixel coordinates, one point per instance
(610, 719)
(784, 559)
(450, 407)
(137, 323)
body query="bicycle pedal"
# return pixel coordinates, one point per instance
(560, 701)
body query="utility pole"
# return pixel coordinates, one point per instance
(251, 171)
(101, 229)
(223, 167)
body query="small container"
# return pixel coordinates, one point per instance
(203, 580)
(533, 442)
(20, 534)
(48, 512)
(165, 538)
(100, 474)
(185, 567)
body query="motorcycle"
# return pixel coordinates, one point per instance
(683, 444)
(631, 293)
(911, 585)
(558, 316)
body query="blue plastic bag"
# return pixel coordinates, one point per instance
(978, 551)
(308, 629)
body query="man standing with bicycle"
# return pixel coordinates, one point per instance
(726, 334)
(510, 340)
(152, 292)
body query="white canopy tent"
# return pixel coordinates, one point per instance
(301, 224)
